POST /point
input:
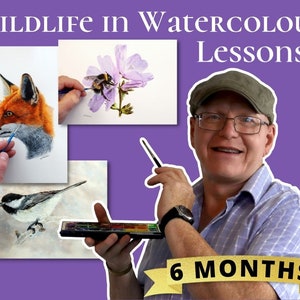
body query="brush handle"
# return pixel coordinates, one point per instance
(67, 90)
(155, 159)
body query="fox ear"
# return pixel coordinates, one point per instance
(6, 87)
(29, 91)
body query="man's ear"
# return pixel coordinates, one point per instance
(270, 139)
(193, 123)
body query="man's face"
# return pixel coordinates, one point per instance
(226, 155)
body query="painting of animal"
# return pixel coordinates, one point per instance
(24, 108)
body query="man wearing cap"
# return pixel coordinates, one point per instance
(236, 208)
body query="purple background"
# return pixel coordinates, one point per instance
(128, 164)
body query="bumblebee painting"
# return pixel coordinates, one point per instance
(100, 83)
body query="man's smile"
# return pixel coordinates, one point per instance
(227, 150)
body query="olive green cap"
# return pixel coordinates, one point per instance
(260, 96)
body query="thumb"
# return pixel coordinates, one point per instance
(101, 213)
(67, 102)
(4, 158)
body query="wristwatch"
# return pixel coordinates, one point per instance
(178, 211)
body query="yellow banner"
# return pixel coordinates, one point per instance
(169, 280)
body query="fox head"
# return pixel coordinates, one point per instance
(24, 105)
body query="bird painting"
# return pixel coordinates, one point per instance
(33, 208)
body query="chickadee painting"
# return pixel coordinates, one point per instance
(35, 207)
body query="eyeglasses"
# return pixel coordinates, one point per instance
(242, 124)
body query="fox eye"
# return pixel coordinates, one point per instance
(8, 114)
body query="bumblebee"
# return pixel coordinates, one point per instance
(101, 82)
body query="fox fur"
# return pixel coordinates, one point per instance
(25, 105)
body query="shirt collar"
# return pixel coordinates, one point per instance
(256, 185)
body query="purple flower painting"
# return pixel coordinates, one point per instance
(111, 82)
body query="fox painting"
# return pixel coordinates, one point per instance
(25, 108)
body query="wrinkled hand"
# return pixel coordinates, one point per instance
(176, 189)
(71, 99)
(115, 251)
(5, 156)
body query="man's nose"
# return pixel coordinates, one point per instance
(228, 129)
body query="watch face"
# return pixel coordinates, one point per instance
(185, 212)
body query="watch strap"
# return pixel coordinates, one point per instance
(173, 213)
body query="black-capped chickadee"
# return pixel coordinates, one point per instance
(35, 207)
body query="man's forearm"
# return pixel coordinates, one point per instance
(125, 286)
(185, 241)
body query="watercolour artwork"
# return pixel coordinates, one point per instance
(125, 81)
(25, 113)
(29, 115)
(32, 213)
(124, 76)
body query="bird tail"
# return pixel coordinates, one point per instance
(73, 185)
